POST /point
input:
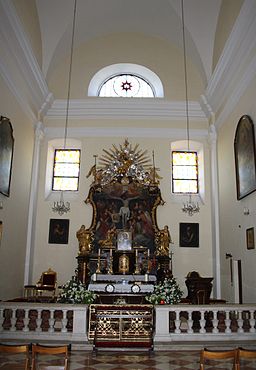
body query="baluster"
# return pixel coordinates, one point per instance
(240, 322)
(64, 322)
(177, 323)
(1, 319)
(252, 322)
(190, 323)
(39, 320)
(202, 323)
(13, 320)
(51, 321)
(227, 322)
(215, 322)
(26, 320)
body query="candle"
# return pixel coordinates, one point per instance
(110, 253)
(148, 252)
(99, 252)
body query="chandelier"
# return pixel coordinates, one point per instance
(62, 207)
(189, 207)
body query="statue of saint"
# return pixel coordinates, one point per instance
(110, 239)
(164, 241)
(84, 237)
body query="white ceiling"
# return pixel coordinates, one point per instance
(159, 18)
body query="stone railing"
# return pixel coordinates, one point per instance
(32, 322)
(205, 323)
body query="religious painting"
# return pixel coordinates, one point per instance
(250, 238)
(244, 147)
(58, 231)
(189, 235)
(128, 210)
(124, 195)
(6, 155)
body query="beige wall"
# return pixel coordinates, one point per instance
(15, 208)
(233, 222)
(227, 17)
(27, 12)
(161, 57)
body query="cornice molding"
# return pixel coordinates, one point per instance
(237, 93)
(28, 81)
(234, 70)
(167, 133)
(118, 108)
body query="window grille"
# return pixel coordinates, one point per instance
(66, 169)
(127, 86)
(184, 172)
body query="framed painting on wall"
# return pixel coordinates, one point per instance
(6, 155)
(250, 238)
(189, 235)
(244, 147)
(58, 231)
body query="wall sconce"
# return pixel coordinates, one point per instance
(246, 211)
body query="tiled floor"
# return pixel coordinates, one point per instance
(172, 360)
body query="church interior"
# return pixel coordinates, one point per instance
(124, 86)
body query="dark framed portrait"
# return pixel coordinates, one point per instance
(58, 231)
(189, 235)
(6, 155)
(250, 238)
(245, 164)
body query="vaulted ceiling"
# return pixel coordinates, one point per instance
(220, 38)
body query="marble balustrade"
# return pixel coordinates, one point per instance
(173, 323)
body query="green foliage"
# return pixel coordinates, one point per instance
(75, 292)
(166, 292)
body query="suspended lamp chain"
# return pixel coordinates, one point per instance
(69, 75)
(185, 71)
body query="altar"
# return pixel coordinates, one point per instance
(122, 283)
(123, 249)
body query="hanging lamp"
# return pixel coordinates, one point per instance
(60, 206)
(189, 207)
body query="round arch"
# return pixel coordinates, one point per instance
(128, 68)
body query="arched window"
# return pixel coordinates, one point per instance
(126, 86)
(126, 80)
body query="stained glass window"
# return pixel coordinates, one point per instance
(127, 86)
(184, 172)
(66, 169)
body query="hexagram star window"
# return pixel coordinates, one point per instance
(127, 86)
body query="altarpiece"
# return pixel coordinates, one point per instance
(123, 237)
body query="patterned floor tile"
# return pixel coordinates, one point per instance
(172, 360)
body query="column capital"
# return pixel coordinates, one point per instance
(39, 130)
(212, 134)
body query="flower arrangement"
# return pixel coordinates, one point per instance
(74, 291)
(166, 292)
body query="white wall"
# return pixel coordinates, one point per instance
(15, 208)
(233, 222)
